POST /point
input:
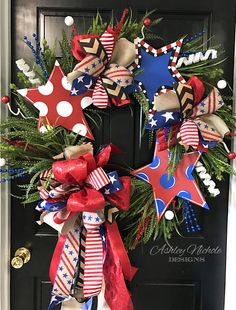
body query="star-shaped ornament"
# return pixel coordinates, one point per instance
(156, 68)
(56, 105)
(180, 184)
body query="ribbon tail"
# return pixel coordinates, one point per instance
(113, 273)
(116, 243)
(56, 258)
(100, 97)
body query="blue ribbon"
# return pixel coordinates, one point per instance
(55, 300)
(114, 185)
(88, 304)
(163, 119)
(51, 206)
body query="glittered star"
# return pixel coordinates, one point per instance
(168, 115)
(89, 85)
(112, 179)
(74, 92)
(67, 246)
(90, 218)
(65, 275)
(153, 122)
(71, 253)
(56, 105)
(80, 79)
(157, 68)
(107, 191)
(181, 183)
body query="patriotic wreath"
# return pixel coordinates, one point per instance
(77, 191)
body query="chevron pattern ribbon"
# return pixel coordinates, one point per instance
(94, 255)
(109, 80)
(200, 118)
(186, 98)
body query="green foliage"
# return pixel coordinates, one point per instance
(217, 163)
(176, 153)
(49, 55)
(138, 228)
(27, 109)
(67, 60)
(25, 147)
(209, 70)
(226, 113)
(98, 25)
(132, 27)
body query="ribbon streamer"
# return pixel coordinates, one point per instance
(195, 58)
(206, 178)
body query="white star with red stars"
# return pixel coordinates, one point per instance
(56, 106)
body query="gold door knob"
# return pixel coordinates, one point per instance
(22, 256)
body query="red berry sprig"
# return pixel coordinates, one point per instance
(5, 99)
(147, 22)
(231, 155)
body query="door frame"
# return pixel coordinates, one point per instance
(230, 300)
(5, 214)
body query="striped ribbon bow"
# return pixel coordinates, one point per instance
(200, 118)
(108, 80)
(94, 255)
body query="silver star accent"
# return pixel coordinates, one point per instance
(168, 115)
(89, 85)
(107, 191)
(112, 179)
(80, 78)
(74, 91)
(153, 122)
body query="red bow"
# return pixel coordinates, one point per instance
(88, 199)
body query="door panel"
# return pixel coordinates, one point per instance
(164, 281)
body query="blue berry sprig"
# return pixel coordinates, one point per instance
(37, 58)
(190, 218)
(194, 37)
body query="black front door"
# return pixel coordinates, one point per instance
(166, 280)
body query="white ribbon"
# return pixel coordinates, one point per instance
(197, 57)
(25, 68)
(206, 178)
